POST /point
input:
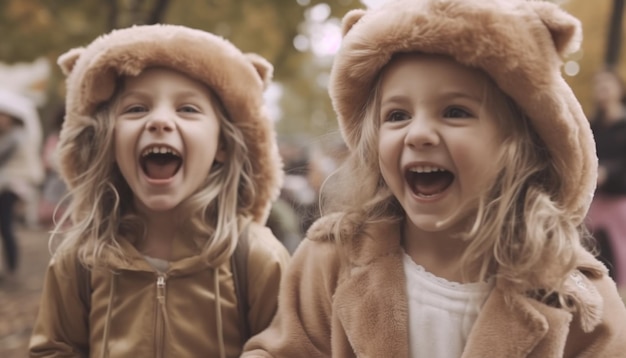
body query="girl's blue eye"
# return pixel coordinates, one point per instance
(396, 116)
(456, 112)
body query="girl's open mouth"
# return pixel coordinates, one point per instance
(427, 181)
(160, 162)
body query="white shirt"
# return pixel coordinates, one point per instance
(441, 313)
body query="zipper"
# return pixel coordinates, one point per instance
(160, 307)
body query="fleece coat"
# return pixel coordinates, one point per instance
(360, 309)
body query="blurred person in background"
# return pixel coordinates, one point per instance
(306, 168)
(306, 172)
(21, 170)
(285, 218)
(607, 214)
(284, 222)
(51, 205)
(325, 159)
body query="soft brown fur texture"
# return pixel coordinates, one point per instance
(520, 45)
(238, 80)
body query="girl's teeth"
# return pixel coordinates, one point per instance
(426, 169)
(157, 150)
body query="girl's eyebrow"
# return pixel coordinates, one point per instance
(144, 93)
(475, 96)
(133, 93)
(445, 95)
(188, 94)
(395, 99)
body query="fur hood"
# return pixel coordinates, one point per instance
(236, 78)
(519, 44)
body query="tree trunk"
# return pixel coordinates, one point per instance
(614, 41)
(158, 12)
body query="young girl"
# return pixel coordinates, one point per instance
(454, 229)
(170, 161)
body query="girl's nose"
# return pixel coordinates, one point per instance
(422, 132)
(160, 122)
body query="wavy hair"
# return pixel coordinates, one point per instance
(101, 211)
(369, 201)
(520, 233)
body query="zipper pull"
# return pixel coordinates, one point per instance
(161, 288)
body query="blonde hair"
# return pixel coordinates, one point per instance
(520, 232)
(100, 212)
(371, 200)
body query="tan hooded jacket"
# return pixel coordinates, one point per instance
(136, 312)
(327, 309)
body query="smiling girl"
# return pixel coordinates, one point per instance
(170, 161)
(455, 227)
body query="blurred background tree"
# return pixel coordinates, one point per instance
(298, 36)
(34, 28)
(602, 44)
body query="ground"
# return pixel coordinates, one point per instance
(19, 300)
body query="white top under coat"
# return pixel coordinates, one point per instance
(441, 313)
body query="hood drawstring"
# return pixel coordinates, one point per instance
(105, 335)
(218, 313)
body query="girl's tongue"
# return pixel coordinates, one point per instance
(428, 184)
(161, 166)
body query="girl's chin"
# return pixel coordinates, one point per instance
(460, 222)
(152, 207)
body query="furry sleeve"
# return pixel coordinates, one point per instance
(302, 325)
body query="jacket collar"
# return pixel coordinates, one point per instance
(186, 258)
(371, 302)
(516, 329)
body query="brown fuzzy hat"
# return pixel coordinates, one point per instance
(519, 44)
(236, 78)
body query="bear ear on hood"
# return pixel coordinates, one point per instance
(262, 67)
(565, 29)
(67, 60)
(351, 18)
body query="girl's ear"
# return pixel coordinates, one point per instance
(67, 61)
(263, 68)
(565, 29)
(351, 18)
